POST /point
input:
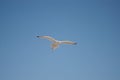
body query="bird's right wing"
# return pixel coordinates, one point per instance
(68, 42)
(47, 37)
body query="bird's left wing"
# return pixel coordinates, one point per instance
(68, 42)
(47, 37)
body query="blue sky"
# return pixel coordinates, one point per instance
(93, 24)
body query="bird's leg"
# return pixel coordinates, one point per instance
(52, 48)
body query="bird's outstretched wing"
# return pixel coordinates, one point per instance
(47, 37)
(68, 42)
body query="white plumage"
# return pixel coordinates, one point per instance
(56, 43)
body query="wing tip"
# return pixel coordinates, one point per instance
(38, 36)
(75, 43)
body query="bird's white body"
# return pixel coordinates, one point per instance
(56, 43)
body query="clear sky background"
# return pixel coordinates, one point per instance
(93, 24)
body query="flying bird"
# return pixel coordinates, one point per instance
(56, 43)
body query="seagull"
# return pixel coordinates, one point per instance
(56, 43)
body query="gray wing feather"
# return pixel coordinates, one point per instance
(68, 42)
(47, 37)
